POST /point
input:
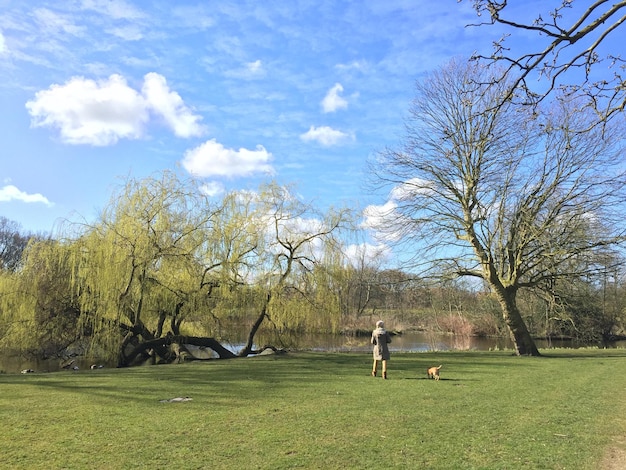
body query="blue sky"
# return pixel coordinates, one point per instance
(233, 92)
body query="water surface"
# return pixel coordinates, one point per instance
(408, 342)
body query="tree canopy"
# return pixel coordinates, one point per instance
(166, 267)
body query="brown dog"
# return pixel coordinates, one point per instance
(433, 373)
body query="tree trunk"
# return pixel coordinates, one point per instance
(162, 342)
(524, 343)
(247, 349)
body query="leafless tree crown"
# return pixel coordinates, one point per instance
(575, 55)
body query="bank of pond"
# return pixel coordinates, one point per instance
(409, 342)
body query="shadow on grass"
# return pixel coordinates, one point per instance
(583, 353)
(442, 379)
(254, 377)
(212, 381)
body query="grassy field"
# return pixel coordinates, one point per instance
(490, 410)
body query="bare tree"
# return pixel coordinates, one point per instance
(12, 244)
(574, 58)
(499, 193)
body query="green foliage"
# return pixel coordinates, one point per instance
(489, 410)
(39, 313)
(165, 260)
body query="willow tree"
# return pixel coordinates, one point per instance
(500, 193)
(166, 268)
(39, 316)
(147, 271)
(298, 241)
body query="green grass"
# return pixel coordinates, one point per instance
(491, 410)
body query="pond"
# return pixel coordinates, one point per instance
(407, 342)
(431, 341)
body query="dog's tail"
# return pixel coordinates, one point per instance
(438, 367)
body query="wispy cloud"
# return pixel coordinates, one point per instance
(102, 112)
(213, 159)
(53, 23)
(116, 9)
(325, 136)
(302, 78)
(249, 71)
(357, 65)
(10, 193)
(127, 33)
(3, 45)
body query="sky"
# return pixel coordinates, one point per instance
(232, 92)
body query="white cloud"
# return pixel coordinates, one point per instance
(332, 101)
(367, 254)
(3, 44)
(382, 220)
(212, 188)
(170, 106)
(301, 225)
(325, 136)
(213, 159)
(90, 112)
(411, 189)
(295, 228)
(102, 112)
(12, 193)
(378, 215)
